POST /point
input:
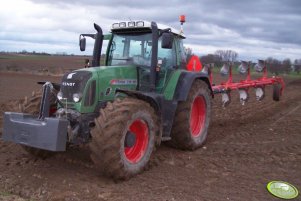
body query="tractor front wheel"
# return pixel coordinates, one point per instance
(192, 118)
(123, 138)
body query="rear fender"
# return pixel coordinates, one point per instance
(152, 98)
(185, 82)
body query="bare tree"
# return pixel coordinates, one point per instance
(233, 55)
(210, 58)
(227, 55)
(274, 65)
(277, 66)
(297, 65)
(287, 65)
(220, 54)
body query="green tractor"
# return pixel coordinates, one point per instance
(143, 95)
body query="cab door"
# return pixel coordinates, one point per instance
(167, 63)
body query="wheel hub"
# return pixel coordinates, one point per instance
(130, 139)
(136, 141)
(197, 116)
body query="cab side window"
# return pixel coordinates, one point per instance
(167, 56)
(182, 53)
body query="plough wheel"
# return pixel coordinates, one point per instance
(276, 92)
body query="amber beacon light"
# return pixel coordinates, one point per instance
(182, 19)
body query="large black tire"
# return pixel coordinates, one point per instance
(192, 118)
(108, 149)
(31, 105)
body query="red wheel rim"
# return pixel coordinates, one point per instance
(136, 152)
(197, 116)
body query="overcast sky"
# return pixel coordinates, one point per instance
(253, 28)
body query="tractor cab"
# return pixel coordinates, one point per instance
(154, 49)
(132, 43)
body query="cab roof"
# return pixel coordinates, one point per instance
(141, 24)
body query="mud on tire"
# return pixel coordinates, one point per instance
(192, 118)
(108, 149)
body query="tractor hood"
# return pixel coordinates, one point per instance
(83, 89)
(74, 83)
(112, 78)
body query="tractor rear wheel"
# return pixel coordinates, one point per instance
(32, 106)
(123, 138)
(192, 118)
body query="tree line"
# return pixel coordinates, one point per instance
(25, 52)
(274, 65)
(218, 58)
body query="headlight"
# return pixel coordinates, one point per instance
(60, 95)
(76, 97)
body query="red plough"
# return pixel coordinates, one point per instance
(244, 85)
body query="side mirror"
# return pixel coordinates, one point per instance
(82, 44)
(167, 40)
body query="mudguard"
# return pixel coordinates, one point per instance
(185, 82)
(48, 134)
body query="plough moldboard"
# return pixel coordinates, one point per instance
(243, 86)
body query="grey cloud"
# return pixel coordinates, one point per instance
(277, 20)
(218, 23)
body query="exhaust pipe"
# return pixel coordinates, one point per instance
(97, 46)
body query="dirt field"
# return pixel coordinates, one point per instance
(247, 147)
(40, 64)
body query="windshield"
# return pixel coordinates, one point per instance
(127, 49)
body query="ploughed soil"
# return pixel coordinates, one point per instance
(247, 146)
(40, 64)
